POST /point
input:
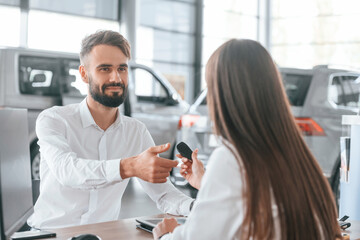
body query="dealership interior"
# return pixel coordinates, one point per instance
(65, 173)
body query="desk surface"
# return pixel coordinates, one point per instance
(126, 229)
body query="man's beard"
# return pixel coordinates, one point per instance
(114, 100)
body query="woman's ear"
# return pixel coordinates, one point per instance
(83, 74)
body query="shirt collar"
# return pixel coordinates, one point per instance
(118, 119)
(86, 117)
(88, 120)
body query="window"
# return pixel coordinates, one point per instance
(165, 46)
(147, 87)
(168, 15)
(38, 76)
(88, 8)
(10, 26)
(344, 90)
(61, 32)
(296, 87)
(50, 76)
(314, 32)
(234, 19)
(10, 2)
(166, 39)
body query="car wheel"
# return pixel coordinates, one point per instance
(35, 161)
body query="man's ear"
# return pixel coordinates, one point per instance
(83, 74)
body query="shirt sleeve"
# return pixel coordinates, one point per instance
(218, 209)
(167, 198)
(64, 164)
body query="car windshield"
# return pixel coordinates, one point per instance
(296, 87)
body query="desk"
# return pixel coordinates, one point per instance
(114, 230)
(126, 229)
(354, 230)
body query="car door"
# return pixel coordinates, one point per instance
(154, 104)
(335, 94)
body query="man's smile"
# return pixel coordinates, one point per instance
(114, 88)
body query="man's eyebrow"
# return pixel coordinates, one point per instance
(123, 65)
(103, 65)
(109, 65)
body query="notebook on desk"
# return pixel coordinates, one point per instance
(147, 224)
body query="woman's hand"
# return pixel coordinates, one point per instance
(192, 171)
(165, 226)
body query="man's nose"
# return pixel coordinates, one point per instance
(115, 77)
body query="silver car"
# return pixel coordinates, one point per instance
(318, 97)
(37, 80)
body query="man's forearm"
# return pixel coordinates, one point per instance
(127, 167)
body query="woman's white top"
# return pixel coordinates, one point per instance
(218, 211)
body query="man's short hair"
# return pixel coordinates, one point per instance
(106, 37)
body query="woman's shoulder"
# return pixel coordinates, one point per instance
(225, 152)
(223, 159)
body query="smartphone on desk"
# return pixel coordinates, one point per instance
(344, 225)
(38, 234)
(148, 224)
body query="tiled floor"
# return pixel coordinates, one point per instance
(137, 203)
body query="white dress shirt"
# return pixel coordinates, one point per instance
(219, 209)
(79, 169)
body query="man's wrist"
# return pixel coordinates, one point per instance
(127, 167)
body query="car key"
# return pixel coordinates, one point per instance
(184, 150)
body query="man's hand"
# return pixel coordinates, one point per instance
(148, 165)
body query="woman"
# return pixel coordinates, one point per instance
(263, 183)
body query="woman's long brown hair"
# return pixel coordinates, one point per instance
(250, 110)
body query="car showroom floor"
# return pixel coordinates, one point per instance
(137, 203)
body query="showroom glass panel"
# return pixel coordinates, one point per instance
(88, 8)
(221, 22)
(188, 1)
(10, 2)
(315, 32)
(209, 46)
(164, 46)
(244, 7)
(9, 26)
(228, 24)
(62, 32)
(307, 55)
(166, 39)
(292, 8)
(329, 29)
(168, 15)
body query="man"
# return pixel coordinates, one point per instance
(89, 151)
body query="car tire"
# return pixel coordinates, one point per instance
(35, 161)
